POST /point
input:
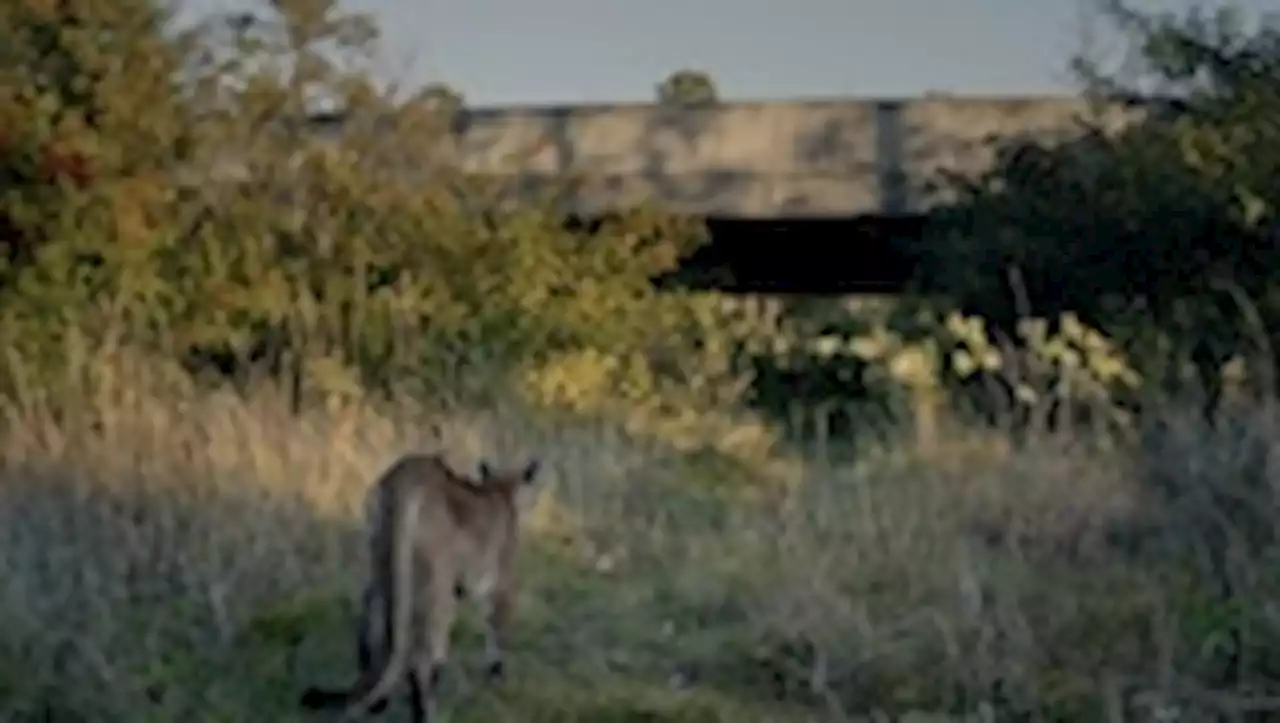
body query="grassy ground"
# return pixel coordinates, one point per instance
(172, 555)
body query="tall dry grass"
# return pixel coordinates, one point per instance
(173, 552)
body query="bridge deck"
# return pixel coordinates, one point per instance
(765, 159)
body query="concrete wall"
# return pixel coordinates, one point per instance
(766, 159)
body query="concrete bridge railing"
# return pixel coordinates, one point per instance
(761, 159)
(766, 159)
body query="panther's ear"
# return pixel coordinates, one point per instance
(531, 471)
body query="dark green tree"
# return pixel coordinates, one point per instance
(688, 88)
(1156, 232)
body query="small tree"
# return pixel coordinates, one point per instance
(688, 88)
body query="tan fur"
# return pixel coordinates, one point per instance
(432, 534)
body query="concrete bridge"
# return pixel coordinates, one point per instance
(843, 186)
(812, 159)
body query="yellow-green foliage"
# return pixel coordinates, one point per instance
(218, 230)
(1075, 363)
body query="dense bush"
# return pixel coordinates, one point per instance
(223, 228)
(1156, 232)
(1161, 235)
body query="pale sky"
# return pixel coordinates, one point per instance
(573, 51)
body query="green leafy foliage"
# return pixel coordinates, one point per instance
(1159, 226)
(232, 228)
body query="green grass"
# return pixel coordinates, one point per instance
(177, 555)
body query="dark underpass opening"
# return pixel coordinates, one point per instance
(860, 254)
